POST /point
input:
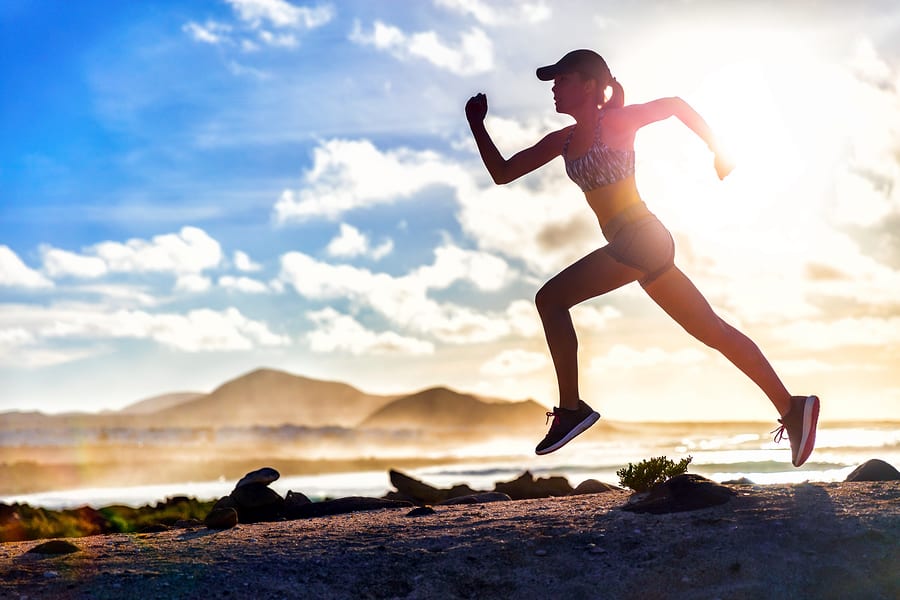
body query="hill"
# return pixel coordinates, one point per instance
(157, 403)
(271, 398)
(442, 408)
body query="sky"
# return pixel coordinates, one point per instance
(190, 190)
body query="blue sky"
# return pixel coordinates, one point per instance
(191, 190)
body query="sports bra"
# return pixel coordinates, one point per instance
(600, 165)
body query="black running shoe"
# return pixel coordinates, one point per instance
(566, 425)
(800, 426)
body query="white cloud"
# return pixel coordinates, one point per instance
(279, 13)
(515, 362)
(404, 300)
(61, 263)
(15, 273)
(624, 357)
(193, 283)
(210, 33)
(824, 334)
(342, 333)
(473, 55)
(242, 262)
(500, 13)
(202, 330)
(350, 242)
(243, 284)
(190, 250)
(348, 174)
(254, 17)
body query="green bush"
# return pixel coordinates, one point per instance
(647, 473)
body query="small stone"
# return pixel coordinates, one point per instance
(422, 511)
(54, 547)
(598, 550)
(50, 574)
(540, 552)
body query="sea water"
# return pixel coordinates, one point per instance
(721, 452)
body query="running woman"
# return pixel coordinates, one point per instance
(598, 151)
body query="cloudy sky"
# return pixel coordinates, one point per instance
(193, 189)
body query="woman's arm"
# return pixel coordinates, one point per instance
(503, 170)
(640, 115)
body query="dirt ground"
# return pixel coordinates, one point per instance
(811, 540)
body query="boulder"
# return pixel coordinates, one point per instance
(264, 476)
(874, 470)
(479, 498)
(346, 505)
(592, 486)
(679, 494)
(415, 490)
(221, 518)
(256, 502)
(526, 486)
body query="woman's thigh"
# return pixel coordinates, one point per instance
(593, 275)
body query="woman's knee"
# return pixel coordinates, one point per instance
(547, 299)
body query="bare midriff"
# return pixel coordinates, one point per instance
(609, 200)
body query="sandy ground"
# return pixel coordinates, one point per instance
(813, 540)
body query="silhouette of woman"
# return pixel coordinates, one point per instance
(598, 151)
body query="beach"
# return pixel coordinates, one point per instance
(806, 540)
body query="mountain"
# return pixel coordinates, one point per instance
(443, 408)
(157, 403)
(271, 398)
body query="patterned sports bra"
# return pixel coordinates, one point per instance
(600, 165)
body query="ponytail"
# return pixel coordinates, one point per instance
(617, 98)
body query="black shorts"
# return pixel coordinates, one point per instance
(638, 239)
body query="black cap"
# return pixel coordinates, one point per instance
(586, 62)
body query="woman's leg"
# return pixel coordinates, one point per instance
(593, 275)
(678, 296)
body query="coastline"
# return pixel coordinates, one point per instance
(823, 540)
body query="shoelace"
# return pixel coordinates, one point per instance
(551, 414)
(779, 432)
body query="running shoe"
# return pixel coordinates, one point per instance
(800, 426)
(565, 426)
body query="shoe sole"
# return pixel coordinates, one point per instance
(810, 421)
(573, 433)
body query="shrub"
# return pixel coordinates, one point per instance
(647, 473)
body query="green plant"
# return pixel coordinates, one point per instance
(647, 473)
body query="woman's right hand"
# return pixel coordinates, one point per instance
(476, 108)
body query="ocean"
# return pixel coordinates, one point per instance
(719, 451)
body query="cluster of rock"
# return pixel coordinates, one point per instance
(253, 501)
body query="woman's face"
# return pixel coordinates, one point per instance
(571, 92)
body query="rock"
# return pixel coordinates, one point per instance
(741, 481)
(256, 502)
(293, 501)
(54, 547)
(221, 518)
(264, 476)
(154, 528)
(416, 490)
(224, 502)
(874, 470)
(526, 486)
(680, 493)
(479, 498)
(188, 524)
(345, 505)
(592, 486)
(421, 511)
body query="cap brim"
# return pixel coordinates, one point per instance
(547, 73)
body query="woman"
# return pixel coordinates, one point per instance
(599, 156)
